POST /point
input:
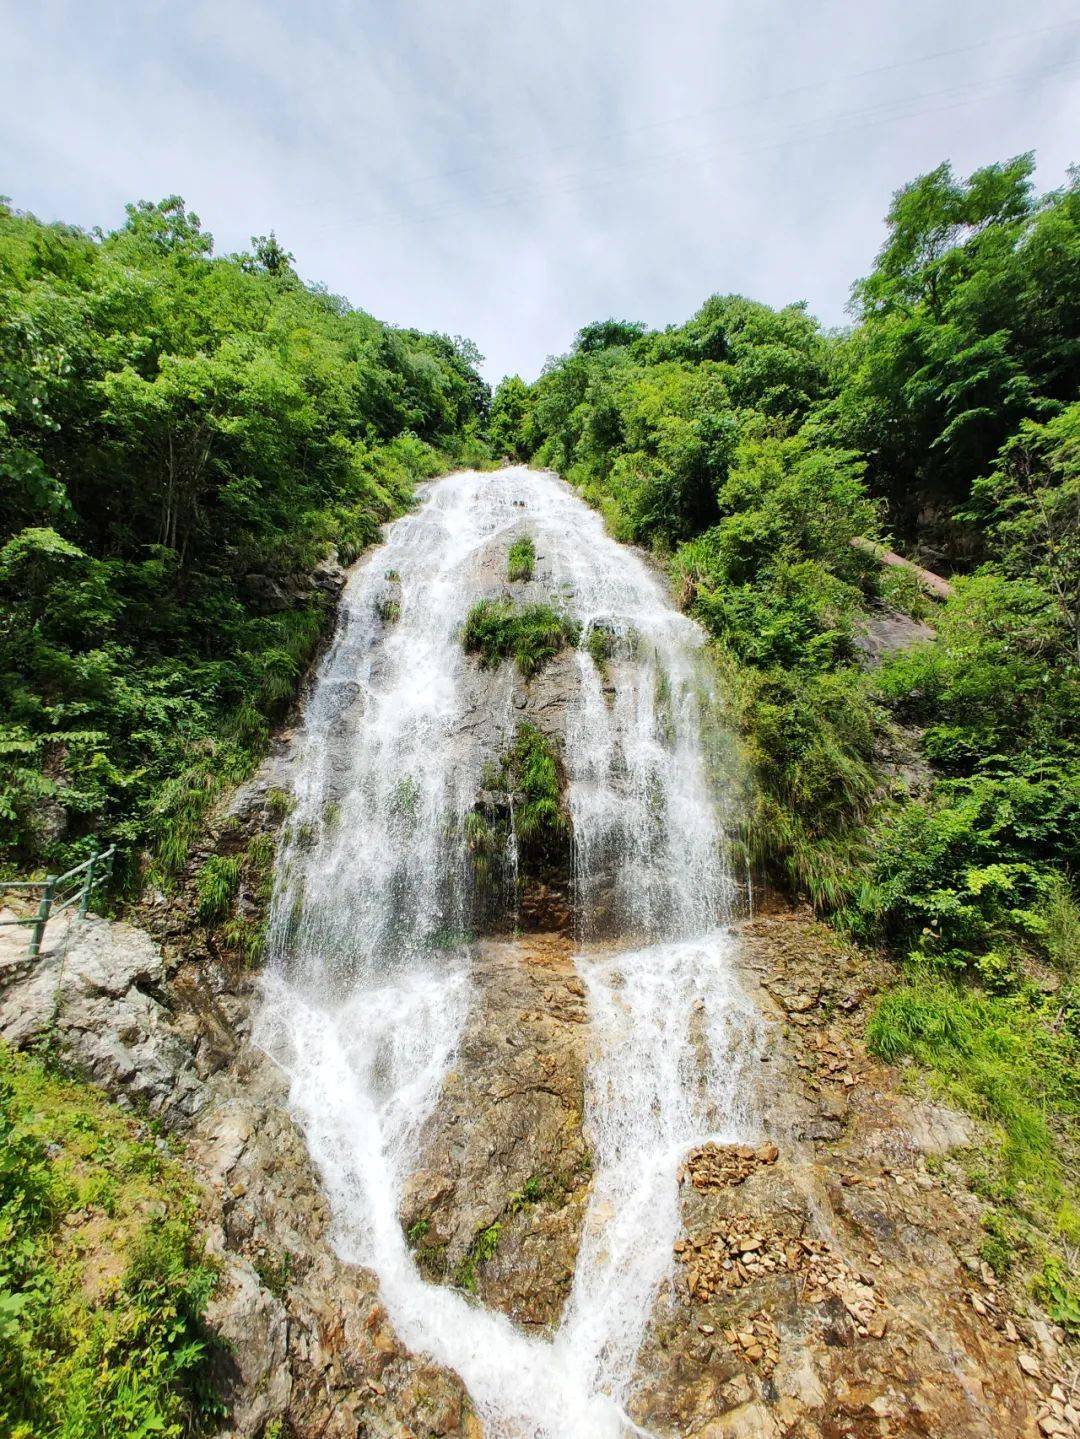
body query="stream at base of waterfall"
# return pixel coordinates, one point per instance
(370, 984)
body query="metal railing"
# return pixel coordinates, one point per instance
(89, 875)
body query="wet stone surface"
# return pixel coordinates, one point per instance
(497, 1201)
(835, 1290)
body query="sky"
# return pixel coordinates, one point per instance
(510, 170)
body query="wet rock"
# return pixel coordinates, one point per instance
(832, 1279)
(497, 1201)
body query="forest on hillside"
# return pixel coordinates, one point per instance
(751, 448)
(930, 803)
(184, 439)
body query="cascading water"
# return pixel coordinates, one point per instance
(365, 999)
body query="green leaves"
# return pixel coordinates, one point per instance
(83, 1354)
(180, 437)
(531, 635)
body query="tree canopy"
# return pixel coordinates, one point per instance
(182, 438)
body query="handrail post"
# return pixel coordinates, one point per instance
(84, 902)
(42, 916)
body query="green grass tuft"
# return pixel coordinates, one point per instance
(531, 635)
(521, 561)
(1010, 1061)
(216, 885)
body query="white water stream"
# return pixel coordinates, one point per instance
(364, 1010)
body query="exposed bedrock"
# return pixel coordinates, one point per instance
(496, 1203)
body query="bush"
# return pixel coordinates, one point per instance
(83, 1355)
(521, 561)
(531, 635)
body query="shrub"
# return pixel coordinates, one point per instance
(521, 561)
(531, 635)
(83, 1355)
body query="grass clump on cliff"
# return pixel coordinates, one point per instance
(523, 814)
(531, 771)
(483, 1248)
(216, 885)
(530, 635)
(103, 1280)
(1014, 1062)
(521, 561)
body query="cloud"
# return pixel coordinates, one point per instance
(511, 172)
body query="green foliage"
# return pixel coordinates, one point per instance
(600, 642)
(480, 1251)
(521, 561)
(1008, 1060)
(752, 446)
(1028, 510)
(416, 1231)
(533, 777)
(531, 635)
(103, 1284)
(1059, 1292)
(182, 439)
(510, 406)
(975, 872)
(215, 885)
(968, 327)
(522, 820)
(809, 738)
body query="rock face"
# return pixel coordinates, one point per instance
(311, 1343)
(827, 1282)
(497, 1202)
(307, 1343)
(103, 986)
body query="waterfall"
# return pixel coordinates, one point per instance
(368, 986)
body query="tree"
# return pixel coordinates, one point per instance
(607, 334)
(510, 406)
(269, 255)
(168, 227)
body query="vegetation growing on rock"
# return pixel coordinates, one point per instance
(521, 561)
(103, 1283)
(523, 809)
(530, 635)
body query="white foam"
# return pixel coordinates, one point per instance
(365, 1015)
